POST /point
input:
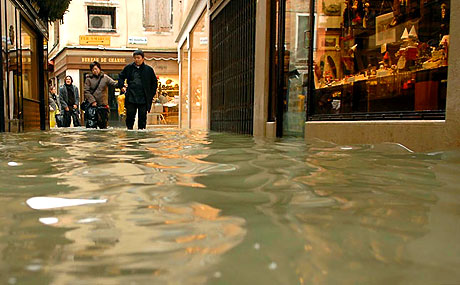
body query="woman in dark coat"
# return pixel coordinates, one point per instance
(69, 98)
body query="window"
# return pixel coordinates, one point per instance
(158, 15)
(380, 60)
(101, 19)
(29, 62)
(198, 80)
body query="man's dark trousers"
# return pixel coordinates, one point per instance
(71, 115)
(131, 109)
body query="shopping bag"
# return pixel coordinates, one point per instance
(84, 105)
(60, 120)
(52, 119)
(91, 117)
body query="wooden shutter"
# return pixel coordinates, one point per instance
(151, 14)
(164, 14)
(157, 15)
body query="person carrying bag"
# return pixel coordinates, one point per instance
(53, 103)
(96, 95)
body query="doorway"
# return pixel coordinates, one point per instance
(289, 71)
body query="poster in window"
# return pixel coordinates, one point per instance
(384, 33)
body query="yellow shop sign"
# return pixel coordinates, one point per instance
(95, 40)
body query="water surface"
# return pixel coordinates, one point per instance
(171, 206)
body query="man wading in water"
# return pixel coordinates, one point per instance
(142, 86)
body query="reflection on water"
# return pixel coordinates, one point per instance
(41, 203)
(185, 207)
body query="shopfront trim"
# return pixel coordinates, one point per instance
(32, 16)
(215, 9)
(407, 115)
(2, 95)
(24, 72)
(163, 62)
(198, 8)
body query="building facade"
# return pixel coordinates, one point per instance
(361, 71)
(375, 71)
(193, 53)
(216, 56)
(24, 67)
(108, 32)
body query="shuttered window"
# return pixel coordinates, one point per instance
(158, 15)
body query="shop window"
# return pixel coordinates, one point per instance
(167, 99)
(29, 63)
(101, 19)
(198, 80)
(158, 15)
(380, 59)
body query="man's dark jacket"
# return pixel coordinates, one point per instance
(149, 81)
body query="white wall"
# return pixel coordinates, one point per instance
(129, 22)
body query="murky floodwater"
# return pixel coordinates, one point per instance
(182, 207)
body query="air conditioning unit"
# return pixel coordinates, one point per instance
(100, 22)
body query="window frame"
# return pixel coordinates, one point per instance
(102, 10)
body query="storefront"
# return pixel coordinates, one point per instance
(24, 68)
(357, 61)
(193, 60)
(380, 60)
(75, 62)
(232, 57)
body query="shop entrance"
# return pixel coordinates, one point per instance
(33, 89)
(232, 67)
(289, 72)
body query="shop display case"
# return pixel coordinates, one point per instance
(383, 58)
(168, 96)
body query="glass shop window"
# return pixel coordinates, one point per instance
(29, 62)
(380, 59)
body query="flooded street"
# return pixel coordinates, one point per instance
(169, 206)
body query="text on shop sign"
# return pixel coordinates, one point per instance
(103, 59)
